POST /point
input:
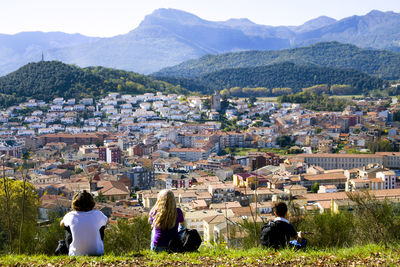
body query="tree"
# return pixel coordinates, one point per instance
(207, 103)
(77, 170)
(380, 145)
(342, 89)
(258, 124)
(252, 100)
(224, 94)
(100, 197)
(315, 187)
(265, 117)
(17, 208)
(396, 115)
(284, 141)
(98, 143)
(281, 91)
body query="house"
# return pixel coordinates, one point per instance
(221, 192)
(334, 178)
(87, 101)
(178, 181)
(113, 190)
(327, 189)
(295, 190)
(194, 219)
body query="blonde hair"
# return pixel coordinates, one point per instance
(164, 211)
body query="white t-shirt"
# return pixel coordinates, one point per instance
(85, 229)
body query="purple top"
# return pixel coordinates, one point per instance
(162, 237)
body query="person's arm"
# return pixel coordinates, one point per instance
(64, 221)
(299, 236)
(102, 223)
(181, 220)
(292, 233)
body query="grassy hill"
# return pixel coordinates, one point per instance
(213, 256)
(48, 79)
(380, 63)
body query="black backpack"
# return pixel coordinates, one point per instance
(187, 240)
(272, 236)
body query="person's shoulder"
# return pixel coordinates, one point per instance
(283, 224)
(179, 210)
(68, 218)
(97, 212)
(287, 227)
(70, 214)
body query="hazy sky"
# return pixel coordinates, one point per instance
(112, 17)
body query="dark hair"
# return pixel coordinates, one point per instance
(280, 209)
(83, 201)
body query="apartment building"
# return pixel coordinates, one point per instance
(231, 139)
(110, 154)
(341, 161)
(190, 154)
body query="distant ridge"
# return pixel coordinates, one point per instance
(168, 37)
(379, 63)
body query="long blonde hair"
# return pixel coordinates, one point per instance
(164, 211)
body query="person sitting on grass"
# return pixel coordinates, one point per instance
(281, 233)
(165, 218)
(86, 226)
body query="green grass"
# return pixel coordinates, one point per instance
(355, 151)
(362, 255)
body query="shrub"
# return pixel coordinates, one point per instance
(127, 236)
(253, 233)
(48, 237)
(376, 221)
(329, 230)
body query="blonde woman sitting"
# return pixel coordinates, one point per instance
(86, 226)
(165, 219)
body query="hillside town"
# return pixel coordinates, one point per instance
(226, 159)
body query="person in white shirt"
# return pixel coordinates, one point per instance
(85, 224)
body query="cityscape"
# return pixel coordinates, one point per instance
(124, 149)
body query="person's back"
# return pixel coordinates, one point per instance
(85, 230)
(165, 219)
(278, 233)
(85, 224)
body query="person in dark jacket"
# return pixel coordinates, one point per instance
(280, 232)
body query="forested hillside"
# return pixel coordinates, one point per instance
(380, 63)
(281, 75)
(48, 79)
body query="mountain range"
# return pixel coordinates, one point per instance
(168, 37)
